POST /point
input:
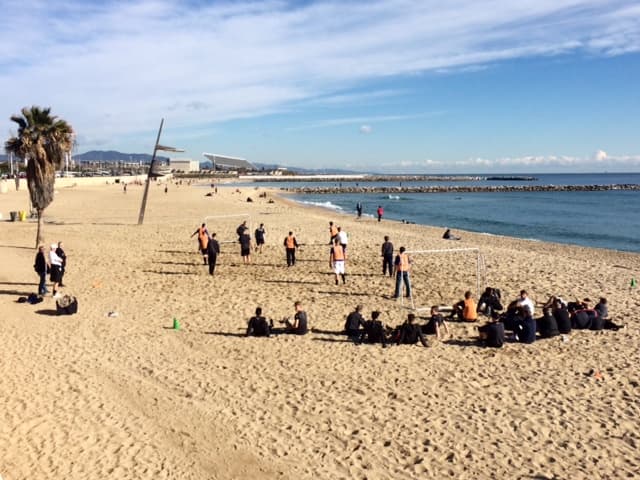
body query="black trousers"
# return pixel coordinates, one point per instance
(212, 263)
(387, 262)
(291, 256)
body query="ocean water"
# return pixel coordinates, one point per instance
(602, 219)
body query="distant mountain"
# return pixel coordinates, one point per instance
(113, 156)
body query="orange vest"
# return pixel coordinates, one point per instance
(290, 241)
(404, 263)
(202, 236)
(338, 253)
(469, 312)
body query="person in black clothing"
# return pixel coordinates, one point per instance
(435, 323)
(260, 234)
(447, 235)
(548, 324)
(258, 325)
(353, 323)
(410, 333)
(41, 267)
(492, 334)
(241, 228)
(489, 303)
(245, 246)
(387, 257)
(300, 323)
(373, 331)
(63, 256)
(524, 325)
(561, 314)
(359, 209)
(213, 249)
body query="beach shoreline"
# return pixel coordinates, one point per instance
(89, 396)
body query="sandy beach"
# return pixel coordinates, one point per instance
(92, 396)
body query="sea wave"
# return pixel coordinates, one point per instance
(328, 205)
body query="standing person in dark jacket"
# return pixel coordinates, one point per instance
(213, 249)
(387, 256)
(41, 266)
(259, 234)
(63, 256)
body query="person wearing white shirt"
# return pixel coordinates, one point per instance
(342, 238)
(524, 301)
(56, 267)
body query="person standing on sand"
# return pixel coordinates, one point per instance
(41, 266)
(380, 212)
(56, 268)
(259, 234)
(402, 266)
(63, 256)
(337, 260)
(387, 256)
(290, 245)
(333, 232)
(213, 249)
(343, 239)
(359, 209)
(245, 246)
(203, 240)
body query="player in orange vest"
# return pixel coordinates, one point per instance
(290, 245)
(337, 260)
(203, 240)
(402, 266)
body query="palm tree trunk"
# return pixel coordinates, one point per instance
(39, 238)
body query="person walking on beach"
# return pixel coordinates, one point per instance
(245, 246)
(290, 245)
(41, 266)
(387, 256)
(203, 240)
(259, 234)
(359, 209)
(380, 212)
(213, 250)
(337, 259)
(56, 268)
(63, 256)
(402, 266)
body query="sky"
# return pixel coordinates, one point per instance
(393, 86)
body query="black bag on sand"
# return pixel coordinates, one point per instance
(67, 305)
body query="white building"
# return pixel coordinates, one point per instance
(185, 165)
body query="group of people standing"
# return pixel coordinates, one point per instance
(53, 263)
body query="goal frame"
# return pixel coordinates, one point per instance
(246, 216)
(481, 270)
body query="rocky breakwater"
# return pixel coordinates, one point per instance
(461, 188)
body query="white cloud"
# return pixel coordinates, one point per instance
(366, 129)
(113, 69)
(600, 156)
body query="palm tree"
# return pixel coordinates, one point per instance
(43, 140)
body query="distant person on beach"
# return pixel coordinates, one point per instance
(449, 236)
(359, 209)
(55, 263)
(245, 246)
(124, 188)
(466, 310)
(402, 265)
(387, 256)
(60, 252)
(260, 235)
(166, 188)
(41, 267)
(373, 331)
(290, 245)
(203, 240)
(435, 324)
(380, 212)
(410, 333)
(333, 232)
(299, 326)
(213, 250)
(492, 333)
(337, 260)
(258, 325)
(353, 324)
(342, 238)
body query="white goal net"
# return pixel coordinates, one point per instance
(441, 276)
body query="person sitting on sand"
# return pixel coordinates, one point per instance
(465, 309)
(353, 323)
(373, 331)
(258, 325)
(492, 333)
(561, 314)
(410, 333)
(489, 302)
(447, 235)
(523, 300)
(547, 324)
(435, 323)
(524, 325)
(299, 326)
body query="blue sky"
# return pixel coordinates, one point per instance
(388, 86)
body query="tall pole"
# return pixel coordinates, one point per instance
(146, 185)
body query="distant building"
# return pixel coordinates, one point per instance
(225, 162)
(185, 165)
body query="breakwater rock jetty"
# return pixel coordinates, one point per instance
(395, 190)
(385, 178)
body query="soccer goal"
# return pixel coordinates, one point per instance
(458, 274)
(225, 226)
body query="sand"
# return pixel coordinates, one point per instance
(92, 396)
